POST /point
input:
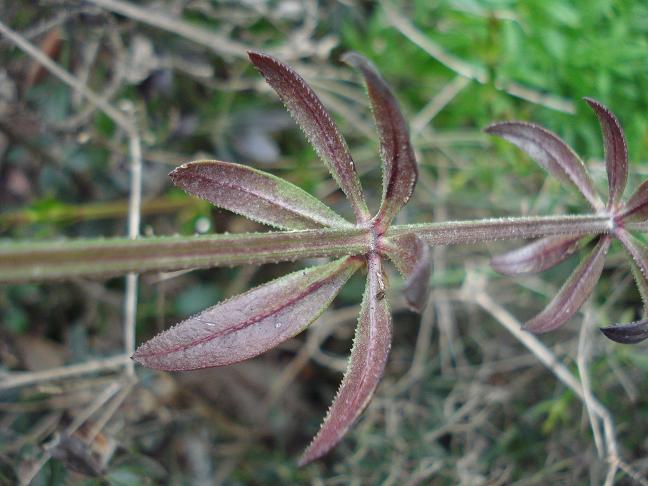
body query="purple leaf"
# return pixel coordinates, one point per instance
(371, 346)
(399, 163)
(639, 253)
(537, 256)
(255, 194)
(550, 152)
(318, 126)
(411, 256)
(632, 333)
(616, 152)
(574, 292)
(636, 209)
(248, 324)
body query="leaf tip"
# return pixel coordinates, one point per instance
(142, 356)
(258, 58)
(632, 333)
(307, 457)
(179, 172)
(494, 128)
(535, 327)
(353, 59)
(254, 54)
(594, 103)
(138, 357)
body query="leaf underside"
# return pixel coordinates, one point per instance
(574, 292)
(616, 152)
(255, 194)
(371, 346)
(411, 256)
(550, 152)
(632, 333)
(399, 163)
(537, 256)
(321, 131)
(250, 323)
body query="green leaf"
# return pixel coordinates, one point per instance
(255, 194)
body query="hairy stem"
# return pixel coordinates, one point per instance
(34, 261)
(468, 232)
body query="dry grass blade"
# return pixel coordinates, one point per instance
(218, 43)
(549, 359)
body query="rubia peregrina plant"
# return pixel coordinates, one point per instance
(251, 323)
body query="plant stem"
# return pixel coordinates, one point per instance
(468, 232)
(34, 261)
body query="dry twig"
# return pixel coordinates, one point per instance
(473, 291)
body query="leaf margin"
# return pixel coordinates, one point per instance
(288, 206)
(197, 343)
(340, 417)
(316, 123)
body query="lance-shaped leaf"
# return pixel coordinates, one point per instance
(411, 256)
(537, 256)
(248, 324)
(321, 131)
(636, 331)
(632, 333)
(616, 151)
(255, 194)
(636, 209)
(574, 292)
(639, 253)
(399, 163)
(371, 346)
(550, 152)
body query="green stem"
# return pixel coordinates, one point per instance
(468, 232)
(35, 261)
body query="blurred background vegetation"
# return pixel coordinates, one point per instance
(462, 402)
